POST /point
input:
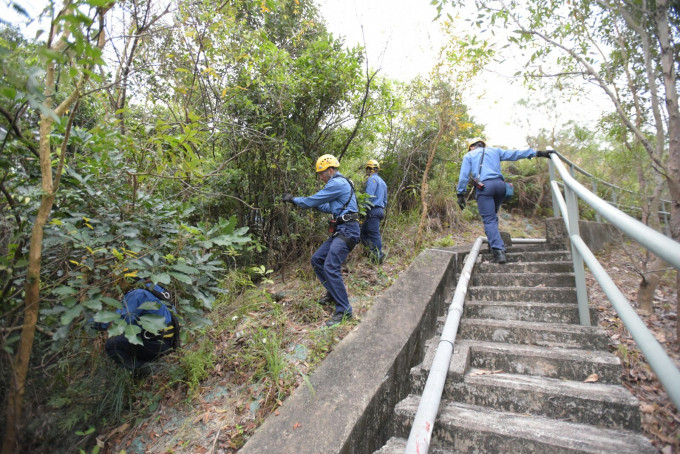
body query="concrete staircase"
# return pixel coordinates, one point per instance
(525, 376)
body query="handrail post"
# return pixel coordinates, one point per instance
(598, 218)
(555, 203)
(666, 223)
(579, 272)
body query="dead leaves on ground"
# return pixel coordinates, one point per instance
(660, 419)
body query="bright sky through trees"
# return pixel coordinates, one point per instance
(403, 40)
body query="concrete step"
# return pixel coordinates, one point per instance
(468, 428)
(542, 294)
(524, 267)
(524, 279)
(530, 333)
(597, 404)
(393, 446)
(520, 248)
(534, 256)
(525, 311)
(563, 364)
(397, 445)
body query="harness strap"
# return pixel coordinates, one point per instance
(351, 185)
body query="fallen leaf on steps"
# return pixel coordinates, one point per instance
(485, 372)
(592, 378)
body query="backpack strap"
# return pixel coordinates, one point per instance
(165, 296)
(481, 161)
(351, 194)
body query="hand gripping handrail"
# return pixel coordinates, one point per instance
(659, 244)
(421, 431)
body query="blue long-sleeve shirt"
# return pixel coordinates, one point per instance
(377, 189)
(332, 198)
(491, 166)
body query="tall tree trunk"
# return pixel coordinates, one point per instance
(670, 84)
(445, 120)
(653, 268)
(49, 184)
(650, 280)
(23, 354)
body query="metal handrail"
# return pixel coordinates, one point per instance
(423, 423)
(656, 242)
(659, 244)
(605, 183)
(421, 431)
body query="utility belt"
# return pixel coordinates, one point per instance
(333, 223)
(164, 334)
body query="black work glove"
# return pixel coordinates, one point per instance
(461, 201)
(287, 197)
(544, 154)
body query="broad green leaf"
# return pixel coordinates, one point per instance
(149, 306)
(106, 316)
(65, 291)
(160, 278)
(68, 316)
(131, 332)
(182, 277)
(184, 268)
(152, 323)
(95, 305)
(112, 302)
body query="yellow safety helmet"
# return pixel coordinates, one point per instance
(474, 140)
(372, 164)
(326, 161)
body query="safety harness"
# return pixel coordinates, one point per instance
(342, 219)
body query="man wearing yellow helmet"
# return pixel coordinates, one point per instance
(339, 199)
(375, 211)
(482, 165)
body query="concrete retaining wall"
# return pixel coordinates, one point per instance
(596, 235)
(357, 386)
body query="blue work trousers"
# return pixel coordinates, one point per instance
(133, 356)
(370, 232)
(327, 263)
(489, 200)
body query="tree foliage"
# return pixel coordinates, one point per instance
(150, 141)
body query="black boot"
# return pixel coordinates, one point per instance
(326, 300)
(498, 256)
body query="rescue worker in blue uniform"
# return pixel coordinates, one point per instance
(339, 199)
(482, 165)
(134, 356)
(375, 211)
